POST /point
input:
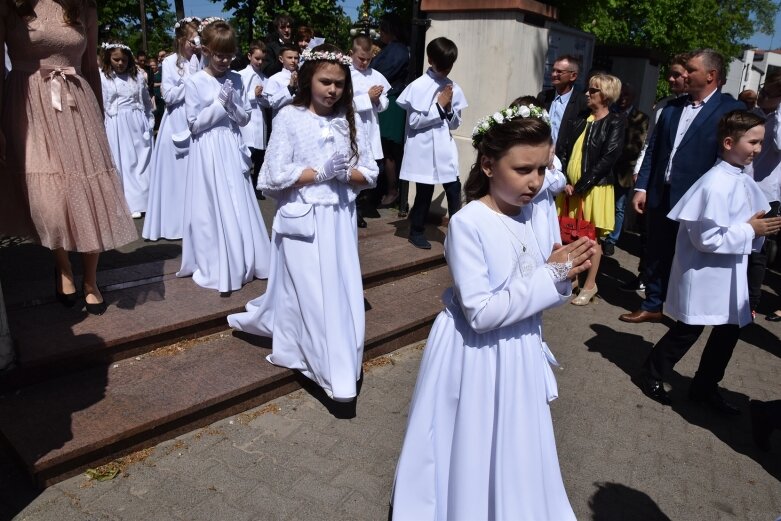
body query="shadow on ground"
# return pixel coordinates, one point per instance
(734, 432)
(616, 502)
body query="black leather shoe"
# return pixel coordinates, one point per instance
(419, 241)
(773, 317)
(715, 401)
(654, 389)
(66, 299)
(361, 222)
(95, 309)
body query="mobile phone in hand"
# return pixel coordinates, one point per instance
(774, 210)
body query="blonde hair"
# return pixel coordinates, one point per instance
(609, 85)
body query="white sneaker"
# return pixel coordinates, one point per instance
(135, 215)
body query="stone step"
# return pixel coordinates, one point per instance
(151, 308)
(64, 425)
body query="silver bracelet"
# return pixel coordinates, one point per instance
(559, 270)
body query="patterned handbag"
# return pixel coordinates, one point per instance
(573, 229)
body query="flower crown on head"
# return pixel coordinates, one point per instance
(106, 46)
(309, 55)
(186, 20)
(207, 21)
(505, 115)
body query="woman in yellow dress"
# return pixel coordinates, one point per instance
(589, 167)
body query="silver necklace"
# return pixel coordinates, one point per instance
(524, 262)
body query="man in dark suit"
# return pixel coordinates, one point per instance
(563, 102)
(681, 149)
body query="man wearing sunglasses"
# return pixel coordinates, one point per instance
(563, 101)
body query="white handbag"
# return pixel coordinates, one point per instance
(295, 220)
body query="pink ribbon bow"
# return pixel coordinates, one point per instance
(59, 76)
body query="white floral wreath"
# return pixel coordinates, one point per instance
(309, 55)
(505, 115)
(207, 21)
(106, 46)
(186, 20)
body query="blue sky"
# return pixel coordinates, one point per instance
(205, 8)
(208, 8)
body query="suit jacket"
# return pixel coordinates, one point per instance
(576, 105)
(696, 154)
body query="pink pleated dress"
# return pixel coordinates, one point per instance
(59, 184)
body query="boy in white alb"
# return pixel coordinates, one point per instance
(370, 92)
(433, 103)
(370, 97)
(254, 133)
(721, 223)
(281, 87)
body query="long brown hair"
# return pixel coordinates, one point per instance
(71, 9)
(303, 96)
(105, 62)
(496, 142)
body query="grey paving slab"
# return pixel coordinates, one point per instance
(623, 457)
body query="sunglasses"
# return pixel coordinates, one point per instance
(560, 71)
(593, 90)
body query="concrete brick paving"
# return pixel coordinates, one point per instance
(623, 456)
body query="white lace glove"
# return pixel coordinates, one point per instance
(335, 166)
(225, 97)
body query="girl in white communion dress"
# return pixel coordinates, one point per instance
(316, 164)
(479, 443)
(129, 123)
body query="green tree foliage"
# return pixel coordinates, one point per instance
(120, 20)
(252, 18)
(403, 8)
(671, 26)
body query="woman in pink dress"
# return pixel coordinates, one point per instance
(59, 184)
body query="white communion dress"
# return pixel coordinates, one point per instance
(224, 242)
(479, 443)
(313, 308)
(129, 126)
(165, 208)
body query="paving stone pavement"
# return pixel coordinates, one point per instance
(623, 457)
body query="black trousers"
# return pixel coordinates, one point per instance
(257, 156)
(658, 254)
(679, 339)
(757, 264)
(423, 195)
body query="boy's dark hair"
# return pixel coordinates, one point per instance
(524, 101)
(680, 59)
(736, 123)
(442, 53)
(282, 19)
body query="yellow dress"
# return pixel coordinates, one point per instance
(599, 204)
